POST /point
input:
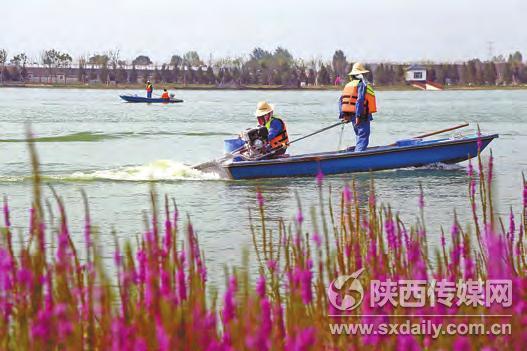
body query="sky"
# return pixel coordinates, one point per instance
(373, 30)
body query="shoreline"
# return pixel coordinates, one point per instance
(172, 86)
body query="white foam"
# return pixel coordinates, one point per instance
(156, 171)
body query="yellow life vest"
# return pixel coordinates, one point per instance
(282, 138)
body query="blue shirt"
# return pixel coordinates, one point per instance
(275, 128)
(359, 105)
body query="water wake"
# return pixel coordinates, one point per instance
(160, 170)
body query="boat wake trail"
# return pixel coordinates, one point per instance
(439, 165)
(160, 170)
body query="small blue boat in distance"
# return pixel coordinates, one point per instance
(135, 98)
(403, 154)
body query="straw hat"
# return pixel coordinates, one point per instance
(358, 68)
(263, 108)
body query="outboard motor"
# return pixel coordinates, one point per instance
(255, 140)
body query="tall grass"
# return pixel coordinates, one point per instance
(61, 297)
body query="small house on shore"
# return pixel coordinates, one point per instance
(416, 77)
(416, 73)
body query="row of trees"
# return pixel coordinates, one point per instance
(262, 67)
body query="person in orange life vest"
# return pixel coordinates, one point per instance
(277, 132)
(357, 104)
(165, 95)
(149, 89)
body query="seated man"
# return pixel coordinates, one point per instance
(165, 95)
(277, 138)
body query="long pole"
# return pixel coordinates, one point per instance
(442, 131)
(314, 133)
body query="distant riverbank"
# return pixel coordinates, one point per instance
(172, 86)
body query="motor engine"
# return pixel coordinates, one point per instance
(256, 141)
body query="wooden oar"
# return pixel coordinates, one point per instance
(442, 131)
(436, 132)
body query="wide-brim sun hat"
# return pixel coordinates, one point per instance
(263, 108)
(358, 68)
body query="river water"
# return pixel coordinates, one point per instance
(91, 140)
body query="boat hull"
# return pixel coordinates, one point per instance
(373, 159)
(134, 98)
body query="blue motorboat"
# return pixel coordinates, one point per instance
(135, 98)
(405, 153)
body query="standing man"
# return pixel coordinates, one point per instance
(149, 89)
(357, 104)
(277, 132)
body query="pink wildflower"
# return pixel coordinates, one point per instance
(317, 239)
(346, 193)
(320, 177)
(305, 283)
(260, 286)
(272, 265)
(260, 198)
(302, 341)
(229, 303)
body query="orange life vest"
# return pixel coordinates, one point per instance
(350, 95)
(165, 96)
(282, 138)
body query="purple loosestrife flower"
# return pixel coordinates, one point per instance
(347, 249)
(320, 177)
(407, 343)
(305, 283)
(24, 277)
(480, 143)
(260, 198)
(167, 242)
(163, 339)
(358, 257)
(141, 259)
(317, 239)
(165, 283)
(202, 269)
(512, 227)
(299, 217)
(525, 195)
(229, 303)
(346, 193)
(65, 326)
(6, 266)
(261, 340)
(302, 341)
(260, 286)
(272, 265)
(390, 233)
(117, 258)
(6, 214)
(180, 276)
(461, 343)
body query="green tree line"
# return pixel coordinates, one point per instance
(260, 67)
